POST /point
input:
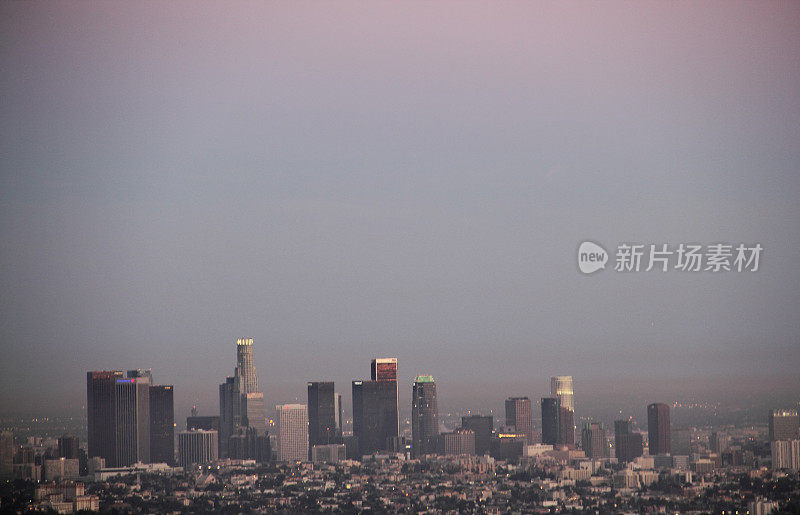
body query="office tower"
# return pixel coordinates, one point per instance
(376, 424)
(550, 421)
(254, 413)
(337, 397)
(323, 414)
(518, 415)
(482, 426)
(100, 417)
(562, 389)
(68, 447)
(680, 442)
(424, 416)
(132, 420)
(783, 425)
(197, 447)
(658, 428)
(162, 424)
(207, 422)
(593, 440)
(292, 427)
(785, 454)
(246, 376)
(459, 442)
(6, 454)
(230, 405)
(241, 405)
(627, 444)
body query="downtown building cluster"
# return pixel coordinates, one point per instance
(299, 456)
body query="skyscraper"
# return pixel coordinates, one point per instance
(424, 416)
(132, 420)
(162, 424)
(230, 417)
(375, 423)
(550, 421)
(783, 425)
(658, 428)
(246, 376)
(627, 444)
(482, 426)
(323, 416)
(101, 432)
(593, 440)
(241, 405)
(518, 414)
(562, 389)
(292, 428)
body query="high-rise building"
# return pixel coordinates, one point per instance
(68, 447)
(627, 444)
(550, 421)
(424, 416)
(337, 398)
(783, 425)
(593, 440)
(518, 415)
(197, 447)
(658, 428)
(562, 389)
(162, 424)
(323, 414)
(459, 442)
(376, 423)
(482, 426)
(292, 427)
(132, 420)
(230, 413)
(100, 417)
(241, 406)
(246, 376)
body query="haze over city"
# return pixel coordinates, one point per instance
(349, 181)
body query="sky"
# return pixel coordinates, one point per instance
(342, 181)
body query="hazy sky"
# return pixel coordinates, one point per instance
(342, 181)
